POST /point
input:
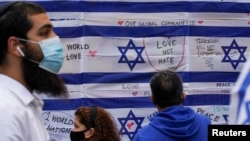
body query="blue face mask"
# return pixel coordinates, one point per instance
(52, 54)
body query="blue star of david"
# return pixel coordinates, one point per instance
(225, 118)
(247, 121)
(241, 51)
(124, 123)
(124, 59)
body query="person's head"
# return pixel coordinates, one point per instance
(30, 50)
(94, 124)
(167, 89)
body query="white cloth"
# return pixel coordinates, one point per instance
(20, 113)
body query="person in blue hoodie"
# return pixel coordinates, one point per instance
(173, 122)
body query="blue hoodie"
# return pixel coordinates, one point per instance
(177, 123)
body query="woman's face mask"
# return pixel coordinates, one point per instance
(77, 135)
(52, 54)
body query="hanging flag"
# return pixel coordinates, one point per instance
(240, 98)
(113, 47)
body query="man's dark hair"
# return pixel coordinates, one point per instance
(14, 21)
(167, 88)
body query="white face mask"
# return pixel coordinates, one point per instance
(52, 54)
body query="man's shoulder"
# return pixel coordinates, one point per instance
(144, 133)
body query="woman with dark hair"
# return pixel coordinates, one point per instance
(94, 124)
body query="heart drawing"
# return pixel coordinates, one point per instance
(92, 53)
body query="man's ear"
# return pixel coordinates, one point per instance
(183, 96)
(90, 133)
(152, 98)
(12, 44)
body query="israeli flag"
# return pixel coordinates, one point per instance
(240, 98)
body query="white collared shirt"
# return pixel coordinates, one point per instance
(20, 113)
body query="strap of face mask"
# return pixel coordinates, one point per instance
(23, 55)
(93, 112)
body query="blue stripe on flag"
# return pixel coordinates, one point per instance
(132, 102)
(72, 104)
(159, 31)
(207, 99)
(146, 7)
(84, 78)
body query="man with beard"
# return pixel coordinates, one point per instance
(31, 54)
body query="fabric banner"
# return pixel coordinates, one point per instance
(113, 47)
(240, 98)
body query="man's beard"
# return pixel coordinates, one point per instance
(42, 81)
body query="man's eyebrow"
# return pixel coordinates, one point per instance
(46, 26)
